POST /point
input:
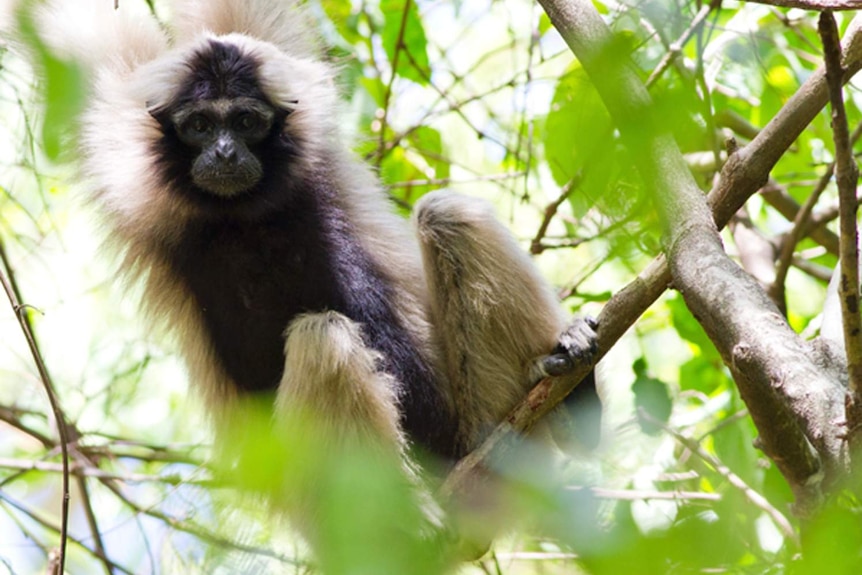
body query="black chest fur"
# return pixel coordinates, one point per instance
(251, 278)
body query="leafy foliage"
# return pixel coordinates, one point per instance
(485, 98)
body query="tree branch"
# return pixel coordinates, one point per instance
(801, 224)
(846, 177)
(742, 176)
(728, 302)
(816, 5)
(21, 311)
(676, 48)
(551, 210)
(753, 496)
(777, 197)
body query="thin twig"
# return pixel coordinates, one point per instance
(197, 530)
(647, 495)
(753, 496)
(815, 5)
(778, 197)
(676, 48)
(59, 418)
(80, 470)
(451, 182)
(93, 524)
(550, 211)
(816, 271)
(801, 224)
(846, 177)
(11, 417)
(58, 529)
(399, 45)
(459, 110)
(526, 116)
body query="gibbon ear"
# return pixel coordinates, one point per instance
(159, 112)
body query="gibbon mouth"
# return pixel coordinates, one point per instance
(226, 184)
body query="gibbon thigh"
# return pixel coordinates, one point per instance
(342, 410)
(493, 312)
(331, 378)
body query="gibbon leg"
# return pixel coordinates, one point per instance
(497, 319)
(331, 376)
(341, 410)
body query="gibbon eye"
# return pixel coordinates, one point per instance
(198, 125)
(246, 122)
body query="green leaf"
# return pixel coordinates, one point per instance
(375, 89)
(340, 12)
(834, 539)
(579, 141)
(64, 88)
(410, 55)
(544, 23)
(688, 327)
(702, 374)
(776, 488)
(733, 446)
(652, 399)
(398, 166)
(428, 142)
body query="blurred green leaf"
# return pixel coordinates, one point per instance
(358, 505)
(702, 374)
(411, 53)
(340, 13)
(776, 488)
(689, 328)
(652, 399)
(544, 23)
(397, 167)
(733, 443)
(375, 88)
(428, 142)
(833, 540)
(64, 86)
(577, 129)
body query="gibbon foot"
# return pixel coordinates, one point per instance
(577, 344)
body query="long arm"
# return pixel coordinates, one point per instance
(496, 319)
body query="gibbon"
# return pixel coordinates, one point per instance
(275, 258)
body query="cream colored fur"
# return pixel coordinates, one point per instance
(332, 376)
(495, 312)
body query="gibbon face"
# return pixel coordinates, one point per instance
(222, 132)
(224, 141)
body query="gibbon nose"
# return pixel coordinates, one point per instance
(225, 150)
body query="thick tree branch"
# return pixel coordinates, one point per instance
(742, 176)
(727, 301)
